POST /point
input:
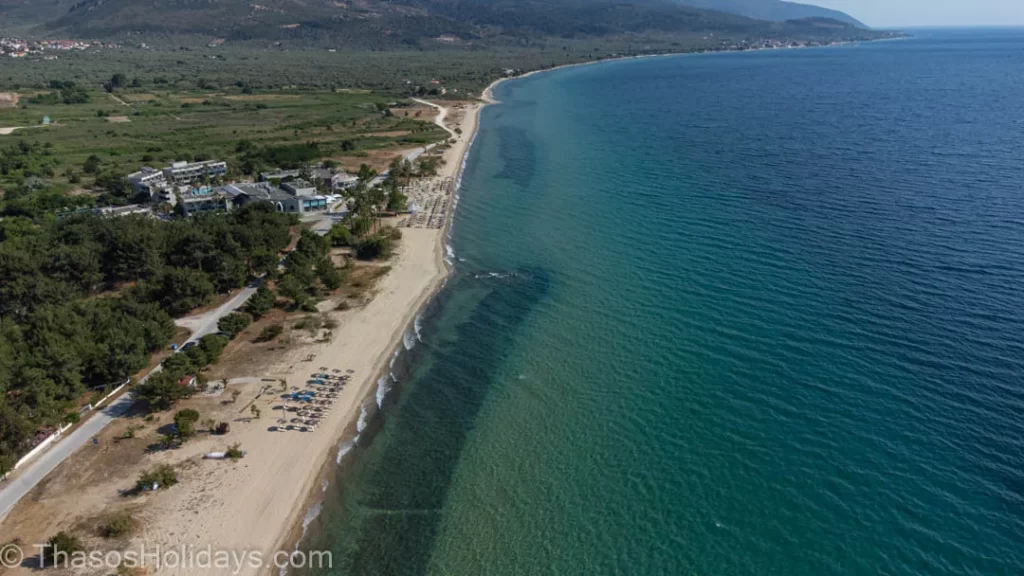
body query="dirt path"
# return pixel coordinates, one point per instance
(118, 100)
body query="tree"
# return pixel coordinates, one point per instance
(397, 202)
(161, 391)
(428, 166)
(365, 174)
(293, 289)
(378, 246)
(261, 302)
(234, 323)
(60, 547)
(401, 169)
(255, 411)
(234, 395)
(180, 364)
(116, 81)
(328, 274)
(340, 235)
(91, 164)
(181, 290)
(212, 345)
(185, 421)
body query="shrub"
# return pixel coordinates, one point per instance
(261, 302)
(73, 417)
(61, 542)
(222, 428)
(340, 235)
(185, 421)
(118, 525)
(163, 476)
(234, 323)
(271, 332)
(374, 247)
(212, 346)
(234, 452)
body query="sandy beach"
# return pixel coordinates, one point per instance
(257, 503)
(260, 504)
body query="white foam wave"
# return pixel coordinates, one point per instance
(311, 515)
(383, 387)
(409, 339)
(345, 448)
(324, 484)
(364, 417)
(417, 326)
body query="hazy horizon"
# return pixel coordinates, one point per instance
(930, 13)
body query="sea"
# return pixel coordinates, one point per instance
(728, 314)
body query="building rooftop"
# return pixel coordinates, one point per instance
(260, 190)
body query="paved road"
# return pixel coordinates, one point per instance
(204, 324)
(34, 472)
(27, 477)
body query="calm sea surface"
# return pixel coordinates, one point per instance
(720, 315)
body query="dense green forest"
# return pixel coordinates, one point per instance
(85, 301)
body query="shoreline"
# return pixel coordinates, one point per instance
(488, 97)
(294, 529)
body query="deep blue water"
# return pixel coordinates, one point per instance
(756, 313)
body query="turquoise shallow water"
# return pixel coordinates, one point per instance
(734, 314)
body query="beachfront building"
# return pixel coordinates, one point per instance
(148, 181)
(162, 185)
(297, 197)
(188, 172)
(328, 177)
(342, 180)
(208, 203)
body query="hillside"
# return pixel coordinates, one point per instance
(773, 10)
(386, 24)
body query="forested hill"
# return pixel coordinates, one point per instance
(774, 10)
(381, 24)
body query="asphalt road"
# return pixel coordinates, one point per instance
(29, 476)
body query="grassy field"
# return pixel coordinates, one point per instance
(129, 129)
(461, 68)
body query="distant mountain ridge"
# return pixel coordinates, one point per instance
(773, 10)
(384, 24)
